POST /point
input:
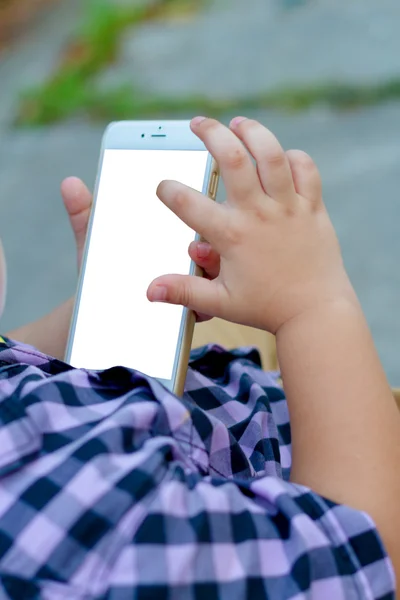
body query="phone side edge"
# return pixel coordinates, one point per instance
(189, 318)
(78, 294)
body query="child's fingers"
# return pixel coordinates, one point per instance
(272, 163)
(306, 177)
(206, 258)
(209, 260)
(200, 295)
(200, 318)
(196, 210)
(237, 170)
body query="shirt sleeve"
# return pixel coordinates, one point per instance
(265, 540)
(330, 549)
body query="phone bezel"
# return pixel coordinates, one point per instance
(149, 135)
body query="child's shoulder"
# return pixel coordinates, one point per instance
(13, 353)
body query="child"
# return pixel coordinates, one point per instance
(113, 488)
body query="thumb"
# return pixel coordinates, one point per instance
(196, 293)
(77, 200)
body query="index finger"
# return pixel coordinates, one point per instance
(237, 170)
(200, 213)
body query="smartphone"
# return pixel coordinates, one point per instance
(132, 239)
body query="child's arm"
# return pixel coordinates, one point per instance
(281, 270)
(49, 334)
(345, 423)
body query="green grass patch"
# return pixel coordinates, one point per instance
(96, 46)
(127, 103)
(71, 90)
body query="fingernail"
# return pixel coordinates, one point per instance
(237, 120)
(203, 250)
(198, 120)
(159, 294)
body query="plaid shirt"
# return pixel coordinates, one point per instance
(112, 488)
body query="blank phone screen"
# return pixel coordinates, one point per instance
(134, 238)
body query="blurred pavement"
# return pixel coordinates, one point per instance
(241, 47)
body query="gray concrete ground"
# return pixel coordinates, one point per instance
(237, 47)
(358, 153)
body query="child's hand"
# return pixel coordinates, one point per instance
(275, 254)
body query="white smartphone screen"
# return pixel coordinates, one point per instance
(134, 238)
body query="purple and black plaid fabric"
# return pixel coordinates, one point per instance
(113, 489)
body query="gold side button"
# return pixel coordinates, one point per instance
(212, 190)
